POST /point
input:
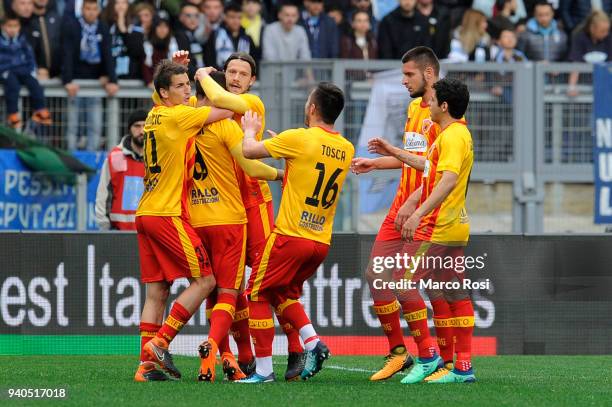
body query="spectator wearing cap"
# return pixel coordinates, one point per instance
(542, 39)
(252, 20)
(185, 35)
(438, 26)
(284, 40)
(402, 29)
(121, 185)
(126, 42)
(230, 37)
(323, 33)
(86, 55)
(45, 33)
(164, 44)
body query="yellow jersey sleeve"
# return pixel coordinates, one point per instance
(230, 133)
(288, 144)
(254, 103)
(189, 118)
(453, 149)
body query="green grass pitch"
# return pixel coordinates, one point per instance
(502, 381)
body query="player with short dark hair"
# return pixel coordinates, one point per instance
(168, 246)
(317, 161)
(240, 73)
(218, 215)
(439, 226)
(420, 68)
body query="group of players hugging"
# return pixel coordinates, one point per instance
(206, 213)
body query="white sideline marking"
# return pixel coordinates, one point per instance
(349, 369)
(355, 369)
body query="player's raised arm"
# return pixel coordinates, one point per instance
(219, 96)
(251, 148)
(381, 146)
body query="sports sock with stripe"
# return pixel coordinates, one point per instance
(240, 329)
(261, 326)
(222, 317)
(463, 313)
(415, 314)
(147, 332)
(178, 317)
(388, 313)
(293, 336)
(293, 312)
(443, 321)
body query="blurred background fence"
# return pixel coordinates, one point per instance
(533, 143)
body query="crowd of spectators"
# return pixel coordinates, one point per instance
(110, 40)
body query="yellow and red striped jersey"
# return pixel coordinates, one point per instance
(419, 134)
(453, 151)
(317, 162)
(169, 134)
(254, 191)
(215, 196)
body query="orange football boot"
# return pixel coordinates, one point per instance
(208, 353)
(230, 367)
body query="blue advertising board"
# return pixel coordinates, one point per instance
(602, 143)
(30, 201)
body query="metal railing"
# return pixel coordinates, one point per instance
(528, 134)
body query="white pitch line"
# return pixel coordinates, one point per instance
(349, 369)
(354, 369)
(346, 369)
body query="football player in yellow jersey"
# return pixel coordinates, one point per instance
(241, 73)
(317, 160)
(168, 246)
(439, 226)
(218, 215)
(420, 69)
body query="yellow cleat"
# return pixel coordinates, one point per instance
(398, 360)
(441, 372)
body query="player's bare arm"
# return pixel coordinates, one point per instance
(251, 148)
(363, 165)
(408, 208)
(381, 146)
(442, 189)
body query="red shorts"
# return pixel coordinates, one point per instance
(286, 262)
(387, 229)
(436, 262)
(169, 249)
(225, 246)
(260, 225)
